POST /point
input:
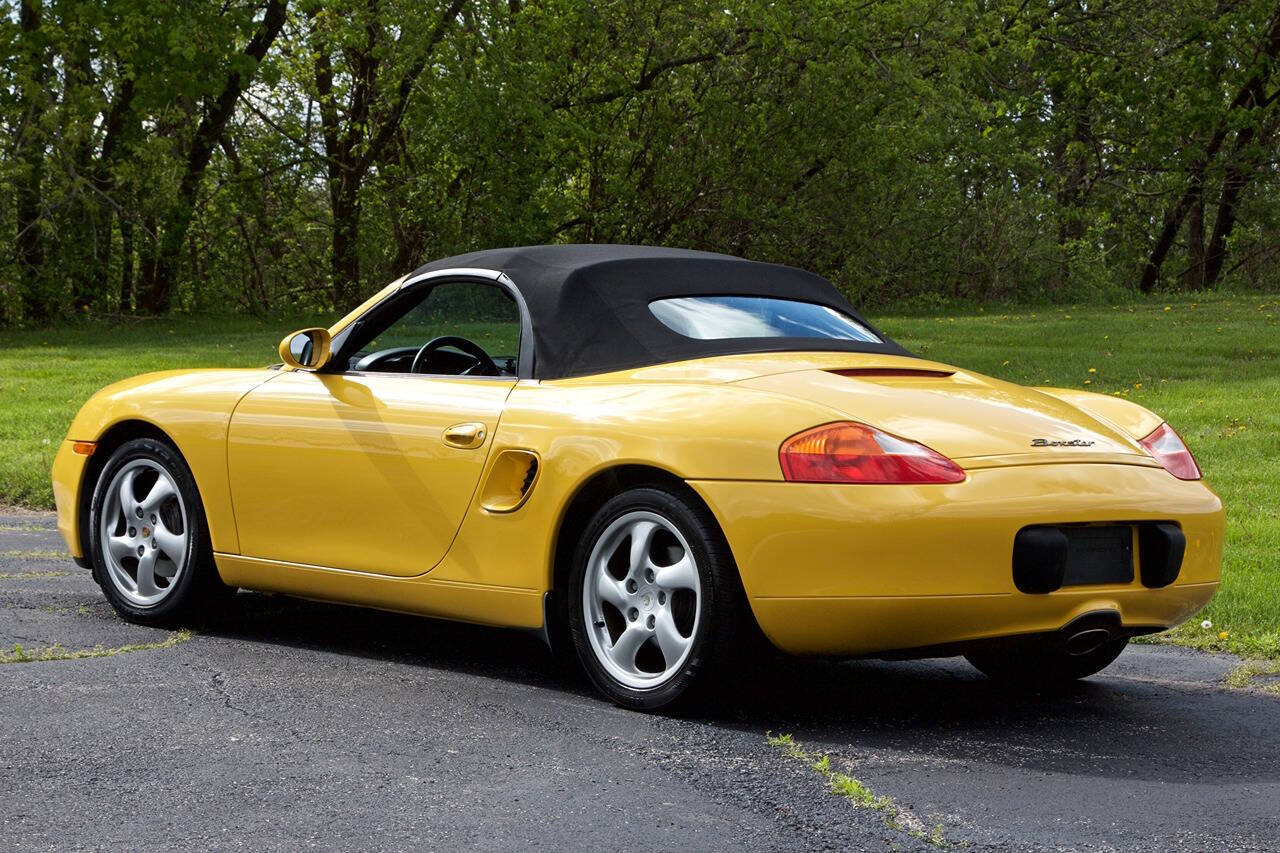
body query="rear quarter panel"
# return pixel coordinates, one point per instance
(693, 431)
(1120, 414)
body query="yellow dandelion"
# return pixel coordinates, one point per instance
(1088, 382)
(1222, 635)
(1168, 308)
(1093, 370)
(1137, 385)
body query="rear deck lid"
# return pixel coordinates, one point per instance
(973, 419)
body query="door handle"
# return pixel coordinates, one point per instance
(466, 436)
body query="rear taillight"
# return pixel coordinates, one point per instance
(1170, 451)
(857, 453)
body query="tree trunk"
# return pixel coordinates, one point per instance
(346, 245)
(1073, 169)
(1250, 97)
(344, 264)
(1173, 219)
(30, 157)
(158, 295)
(1193, 278)
(350, 154)
(147, 251)
(126, 265)
(87, 257)
(1234, 183)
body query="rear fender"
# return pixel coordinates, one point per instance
(1116, 412)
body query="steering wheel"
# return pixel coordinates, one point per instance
(484, 365)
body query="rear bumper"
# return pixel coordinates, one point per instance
(854, 626)
(857, 569)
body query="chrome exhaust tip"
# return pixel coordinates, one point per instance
(1089, 640)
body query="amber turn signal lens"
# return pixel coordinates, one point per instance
(1171, 451)
(856, 453)
(84, 448)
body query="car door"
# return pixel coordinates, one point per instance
(371, 468)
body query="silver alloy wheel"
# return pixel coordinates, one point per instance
(144, 540)
(641, 614)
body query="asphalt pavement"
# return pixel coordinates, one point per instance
(295, 724)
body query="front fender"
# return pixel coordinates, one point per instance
(191, 407)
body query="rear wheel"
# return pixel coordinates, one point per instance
(1045, 661)
(149, 542)
(655, 602)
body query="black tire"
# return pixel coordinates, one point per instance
(196, 592)
(1044, 662)
(722, 624)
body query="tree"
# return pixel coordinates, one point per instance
(356, 130)
(1247, 111)
(215, 153)
(29, 155)
(215, 115)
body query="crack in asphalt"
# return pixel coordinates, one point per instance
(760, 779)
(216, 683)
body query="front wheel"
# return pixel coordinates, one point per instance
(1045, 662)
(149, 542)
(655, 603)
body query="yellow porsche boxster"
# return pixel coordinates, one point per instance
(657, 455)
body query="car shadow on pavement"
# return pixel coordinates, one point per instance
(1138, 718)
(501, 653)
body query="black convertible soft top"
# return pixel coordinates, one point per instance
(589, 304)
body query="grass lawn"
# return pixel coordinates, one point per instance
(1211, 366)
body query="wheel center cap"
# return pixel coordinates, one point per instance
(146, 531)
(646, 601)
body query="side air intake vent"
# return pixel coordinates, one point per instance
(511, 479)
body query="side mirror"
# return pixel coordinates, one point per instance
(307, 349)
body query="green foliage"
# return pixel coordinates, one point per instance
(906, 149)
(1258, 675)
(857, 792)
(59, 652)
